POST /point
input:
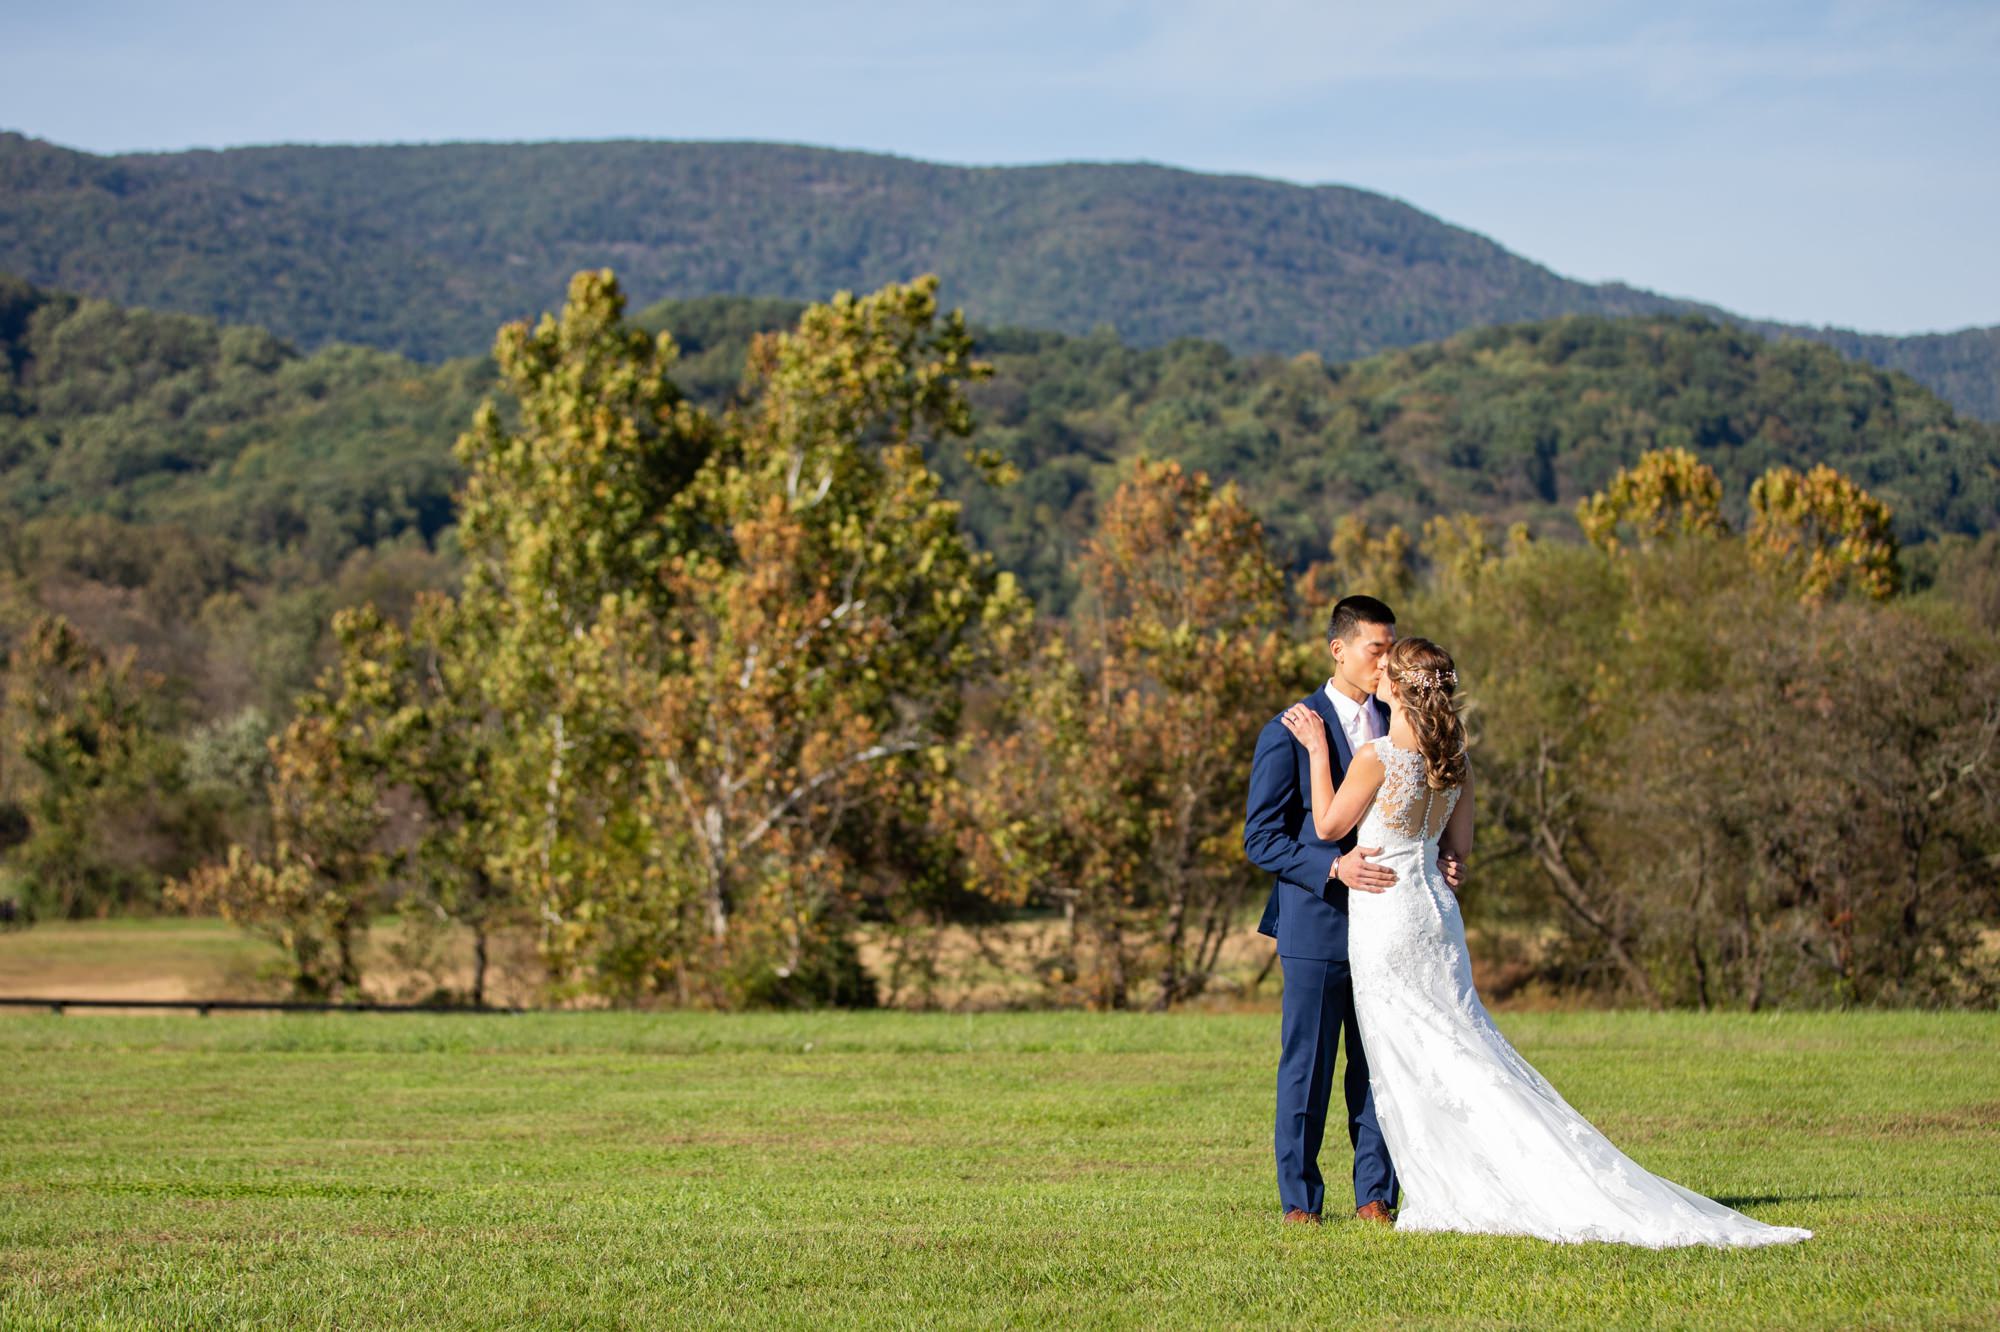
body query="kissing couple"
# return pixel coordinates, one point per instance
(1361, 808)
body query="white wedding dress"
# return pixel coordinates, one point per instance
(1480, 1141)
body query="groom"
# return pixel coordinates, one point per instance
(1307, 913)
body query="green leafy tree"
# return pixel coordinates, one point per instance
(435, 744)
(568, 517)
(1720, 793)
(86, 772)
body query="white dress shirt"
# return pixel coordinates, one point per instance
(1356, 719)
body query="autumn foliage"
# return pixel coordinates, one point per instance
(1111, 785)
(722, 688)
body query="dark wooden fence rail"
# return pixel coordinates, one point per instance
(206, 1006)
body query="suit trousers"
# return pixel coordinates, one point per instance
(1318, 1007)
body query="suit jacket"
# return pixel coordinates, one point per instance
(1306, 914)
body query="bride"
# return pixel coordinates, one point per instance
(1481, 1142)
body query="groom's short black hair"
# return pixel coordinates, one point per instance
(1351, 611)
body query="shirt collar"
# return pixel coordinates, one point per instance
(1343, 707)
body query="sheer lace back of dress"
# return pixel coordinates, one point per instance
(1407, 805)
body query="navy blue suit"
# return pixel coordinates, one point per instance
(1308, 917)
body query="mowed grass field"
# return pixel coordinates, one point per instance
(905, 1170)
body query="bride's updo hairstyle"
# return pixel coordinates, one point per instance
(1427, 684)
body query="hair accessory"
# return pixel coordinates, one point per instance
(1428, 679)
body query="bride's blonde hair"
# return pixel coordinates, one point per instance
(1427, 684)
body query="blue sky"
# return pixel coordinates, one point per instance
(1812, 162)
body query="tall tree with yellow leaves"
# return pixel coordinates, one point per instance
(1665, 494)
(1824, 532)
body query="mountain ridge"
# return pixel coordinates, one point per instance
(424, 248)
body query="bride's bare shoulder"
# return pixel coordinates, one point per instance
(1367, 761)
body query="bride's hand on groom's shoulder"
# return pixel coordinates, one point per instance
(1305, 726)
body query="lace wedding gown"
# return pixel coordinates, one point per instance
(1481, 1142)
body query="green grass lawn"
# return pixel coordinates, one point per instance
(1056, 1170)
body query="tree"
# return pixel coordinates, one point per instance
(85, 771)
(1823, 532)
(1115, 786)
(1821, 829)
(1534, 629)
(435, 746)
(314, 893)
(813, 657)
(1358, 560)
(1723, 795)
(1665, 494)
(384, 774)
(567, 519)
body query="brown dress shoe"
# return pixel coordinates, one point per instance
(1378, 1212)
(1297, 1216)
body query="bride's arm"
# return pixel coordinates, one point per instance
(1336, 812)
(1456, 840)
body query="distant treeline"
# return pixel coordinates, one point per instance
(271, 466)
(694, 656)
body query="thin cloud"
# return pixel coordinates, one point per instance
(1271, 52)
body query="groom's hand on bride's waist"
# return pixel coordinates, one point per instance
(1354, 869)
(1454, 870)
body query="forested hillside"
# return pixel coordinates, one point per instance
(1514, 423)
(424, 249)
(225, 430)
(293, 462)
